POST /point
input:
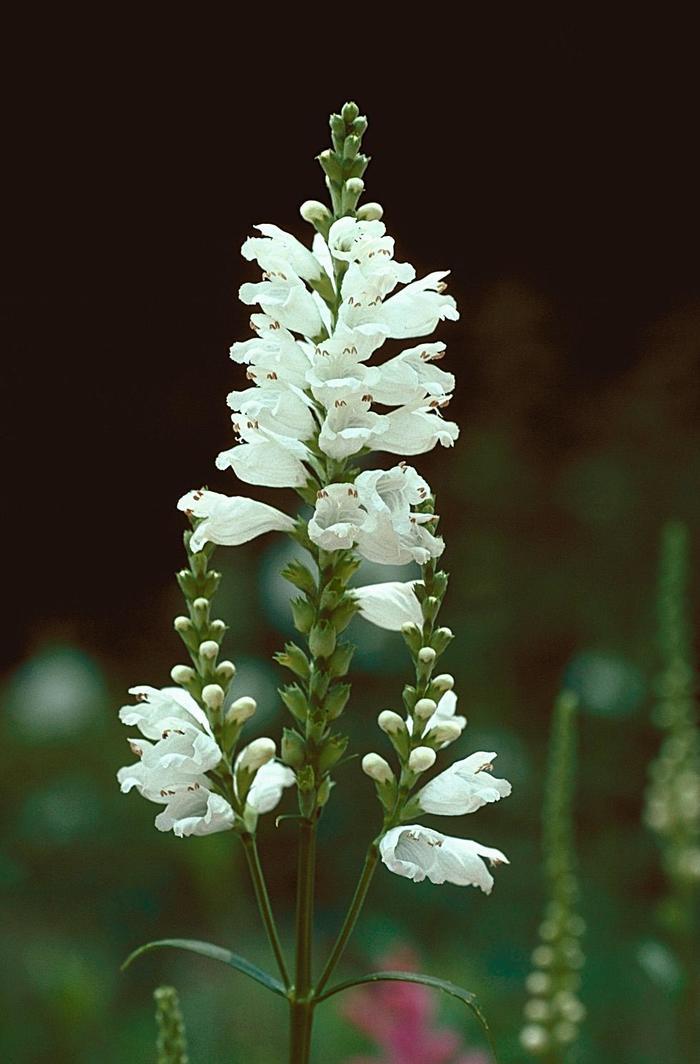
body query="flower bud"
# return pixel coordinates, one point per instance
(225, 671)
(370, 212)
(377, 768)
(534, 1037)
(213, 696)
(424, 709)
(217, 628)
(241, 710)
(443, 682)
(355, 186)
(390, 722)
(209, 649)
(421, 759)
(201, 604)
(182, 624)
(315, 212)
(182, 674)
(446, 732)
(256, 754)
(427, 656)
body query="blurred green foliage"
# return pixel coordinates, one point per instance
(551, 505)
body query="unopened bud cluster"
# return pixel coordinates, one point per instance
(553, 1013)
(319, 694)
(673, 795)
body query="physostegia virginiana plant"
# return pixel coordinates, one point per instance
(320, 401)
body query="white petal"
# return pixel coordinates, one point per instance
(156, 707)
(275, 245)
(389, 605)
(463, 788)
(266, 463)
(292, 305)
(417, 853)
(231, 520)
(414, 431)
(196, 812)
(337, 517)
(268, 785)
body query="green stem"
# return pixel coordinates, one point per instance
(301, 1002)
(263, 899)
(358, 900)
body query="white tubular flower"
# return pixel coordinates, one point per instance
(418, 853)
(389, 605)
(463, 787)
(445, 712)
(350, 425)
(264, 457)
(286, 299)
(337, 518)
(230, 520)
(195, 811)
(267, 787)
(369, 254)
(337, 364)
(157, 709)
(412, 376)
(275, 405)
(276, 250)
(391, 533)
(415, 429)
(414, 311)
(273, 351)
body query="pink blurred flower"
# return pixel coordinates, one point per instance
(400, 1018)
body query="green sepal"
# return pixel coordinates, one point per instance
(336, 700)
(386, 792)
(295, 700)
(439, 584)
(332, 752)
(431, 607)
(215, 953)
(346, 567)
(293, 748)
(298, 574)
(411, 810)
(410, 697)
(331, 166)
(412, 637)
(339, 662)
(344, 613)
(294, 659)
(322, 639)
(303, 614)
(324, 791)
(187, 583)
(318, 685)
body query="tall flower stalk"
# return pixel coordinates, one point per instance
(673, 794)
(320, 400)
(554, 1012)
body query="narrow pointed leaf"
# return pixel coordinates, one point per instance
(465, 996)
(215, 953)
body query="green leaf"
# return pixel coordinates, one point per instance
(465, 996)
(215, 953)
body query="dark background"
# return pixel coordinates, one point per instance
(550, 167)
